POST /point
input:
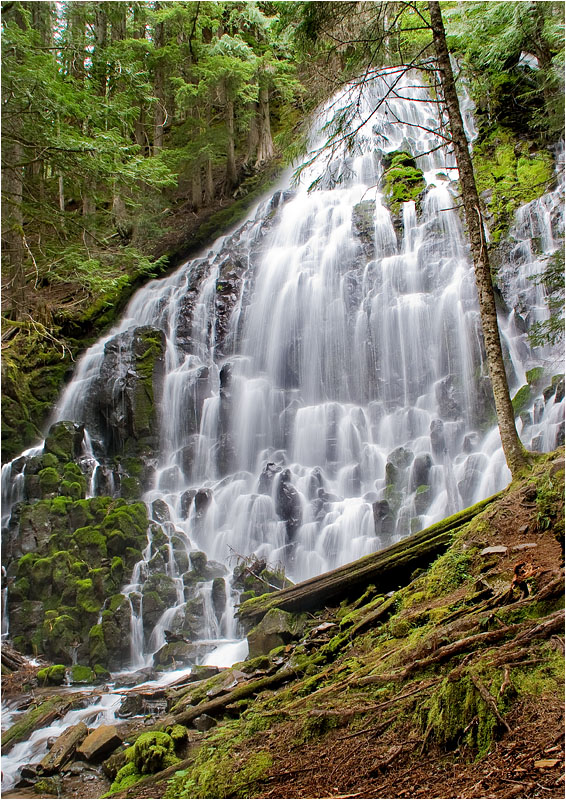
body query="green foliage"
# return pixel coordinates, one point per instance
(402, 180)
(551, 331)
(493, 38)
(509, 175)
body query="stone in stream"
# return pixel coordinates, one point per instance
(133, 705)
(63, 749)
(98, 744)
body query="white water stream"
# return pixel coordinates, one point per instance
(340, 402)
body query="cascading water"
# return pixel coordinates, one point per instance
(324, 391)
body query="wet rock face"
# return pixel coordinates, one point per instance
(228, 288)
(288, 504)
(124, 406)
(78, 555)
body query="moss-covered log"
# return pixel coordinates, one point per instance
(387, 569)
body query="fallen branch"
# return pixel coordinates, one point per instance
(487, 697)
(219, 703)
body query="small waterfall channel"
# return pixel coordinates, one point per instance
(323, 391)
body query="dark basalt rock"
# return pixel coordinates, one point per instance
(288, 505)
(384, 520)
(420, 471)
(437, 440)
(265, 483)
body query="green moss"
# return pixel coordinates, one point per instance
(456, 715)
(73, 489)
(402, 180)
(81, 674)
(510, 174)
(86, 597)
(91, 544)
(154, 751)
(522, 399)
(535, 375)
(54, 675)
(97, 646)
(449, 571)
(47, 786)
(49, 480)
(126, 776)
(215, 773)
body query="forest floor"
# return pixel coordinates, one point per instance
(455, 691)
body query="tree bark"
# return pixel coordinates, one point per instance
(265, 149)
(515, 453)
(159, 88)
(231, 172)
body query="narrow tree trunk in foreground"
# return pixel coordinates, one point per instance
(514, 451)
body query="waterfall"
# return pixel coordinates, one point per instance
(324, 389)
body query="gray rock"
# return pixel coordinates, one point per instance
(204, 723)
(497, 549)
(275, 629)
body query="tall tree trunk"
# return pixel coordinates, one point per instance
(159, 89)
(209, 183)
(76, 58)
(99, 71)
(14, 300)
(231, 172)
(13, 280)
(265, 149)
(253, 135)
(514, 451)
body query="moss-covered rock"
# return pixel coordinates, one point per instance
(54, 675)
(402, 180)
(64, 440)
(154, 751)
(508, 175)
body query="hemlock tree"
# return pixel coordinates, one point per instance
(515, 453)
(399, 34)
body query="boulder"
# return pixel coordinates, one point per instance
(64, 748)
(98, 744)
(175, 654)
(276, 628)
(64, 440)
(160, 511)
(204, 723)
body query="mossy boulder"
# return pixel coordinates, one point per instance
(64, 440)
(277, 628)
(402, 180)
(55, 675)
(154, 751)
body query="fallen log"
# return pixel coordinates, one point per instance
(219, 703)
(40, 716)
(388, 569)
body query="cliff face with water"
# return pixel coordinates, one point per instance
(310, 390)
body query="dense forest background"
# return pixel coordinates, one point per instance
(135, 133)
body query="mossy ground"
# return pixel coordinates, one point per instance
(392, 711)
